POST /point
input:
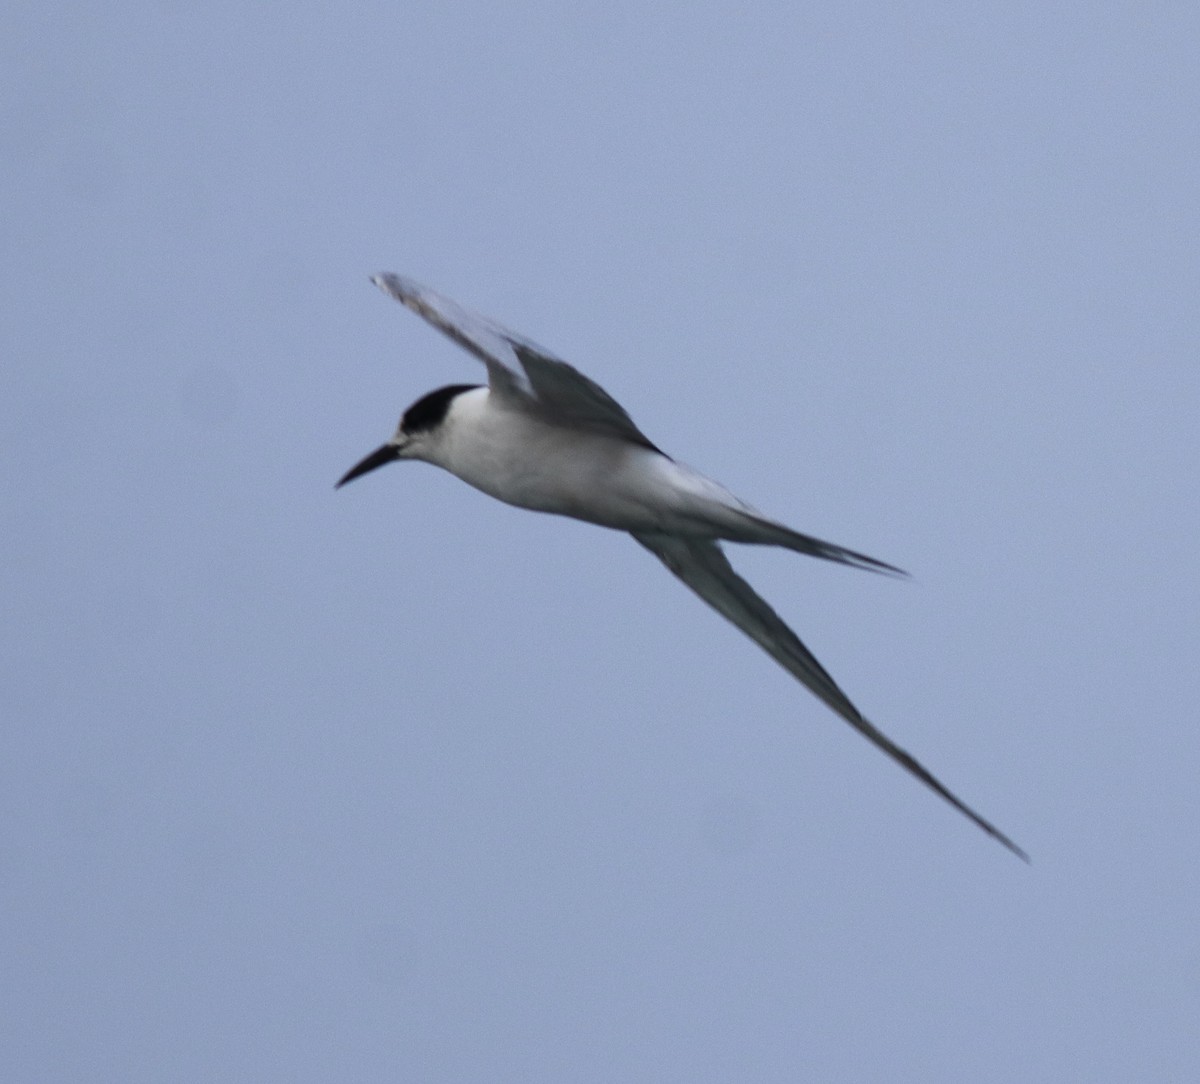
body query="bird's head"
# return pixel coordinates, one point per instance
(418, 434)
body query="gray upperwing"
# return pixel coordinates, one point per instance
(570, 395)
(478, 336)
(517, 365)
(707, 571)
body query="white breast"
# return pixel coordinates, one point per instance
(518, 457)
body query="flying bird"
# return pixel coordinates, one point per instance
(541, 435)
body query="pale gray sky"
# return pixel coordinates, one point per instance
(401, 784)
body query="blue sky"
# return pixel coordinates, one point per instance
(400, 783)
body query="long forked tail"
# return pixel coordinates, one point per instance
(706, 570)
(759, 529)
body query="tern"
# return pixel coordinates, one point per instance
(541, 435)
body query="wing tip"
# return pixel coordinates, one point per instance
(1001, 838)
(394, 285)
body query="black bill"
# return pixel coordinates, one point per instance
(378, 458)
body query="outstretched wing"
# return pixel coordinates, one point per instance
(517, 366)
(707, 571)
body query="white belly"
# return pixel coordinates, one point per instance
(517, 458)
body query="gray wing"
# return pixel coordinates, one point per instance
(517, 366)
(707, 571)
